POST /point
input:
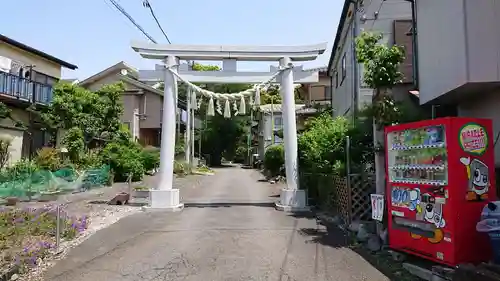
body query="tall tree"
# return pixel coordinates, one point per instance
(95, 114)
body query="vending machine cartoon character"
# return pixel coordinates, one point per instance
(478, 177)
(439, 176)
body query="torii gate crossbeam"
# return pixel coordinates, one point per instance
(165, 197)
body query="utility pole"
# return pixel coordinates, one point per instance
(272, 121)
(249, 141)
(31, 130)
(187, 133)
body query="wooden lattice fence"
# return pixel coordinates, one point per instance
(352, 198)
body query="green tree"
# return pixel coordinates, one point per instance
(272, 95)
(221, 136)
(381, 72)
(96, 114)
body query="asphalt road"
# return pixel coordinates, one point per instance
(228, 231)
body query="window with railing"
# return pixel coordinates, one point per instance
(24, 89)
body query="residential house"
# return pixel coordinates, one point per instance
(271, 123)
(27, 76)
(71, 81)
(319, 92)
(458, 58)
(143, 103)
(392, 19)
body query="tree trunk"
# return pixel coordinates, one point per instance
(379, 141)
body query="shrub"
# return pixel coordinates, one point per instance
(75, 143)
(274, 159)
(20, 170)
(322, 145)
(123, 160)
(241, 154)
(90, 160)
(181, 168)
(179, 148)
(150, 156)
(5, 144)
(47, 158)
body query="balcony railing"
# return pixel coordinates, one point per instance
(23, 89)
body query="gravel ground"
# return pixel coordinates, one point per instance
(229, 230)
(100, 215)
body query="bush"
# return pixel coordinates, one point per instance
(89, 160)
(274, 159)
(75, 143)
(123, 160)
(181, 168)
(47, 158)
(322, 145)
(5, 144)
(150, 156)
(241, 154)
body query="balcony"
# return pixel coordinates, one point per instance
(15, 87)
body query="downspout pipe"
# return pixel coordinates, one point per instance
(355, 69)
(414, 36)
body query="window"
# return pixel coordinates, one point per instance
(328, 93)
(344, 68)
(44, 79)
(278, 121)
(127, 125)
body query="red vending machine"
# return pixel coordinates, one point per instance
(440, 174)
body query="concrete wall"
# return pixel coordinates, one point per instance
(485, 107)
(343, 89)
(458, 43)
(25, 58)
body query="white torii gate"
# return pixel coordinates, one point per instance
(166, 197)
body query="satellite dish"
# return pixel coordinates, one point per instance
(124, 72)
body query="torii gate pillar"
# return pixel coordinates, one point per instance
(164, 196)
(291, 198)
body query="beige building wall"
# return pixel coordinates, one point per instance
(148, 104)
(315, 93)
(41, 65)
(152, 111)
(15, 135)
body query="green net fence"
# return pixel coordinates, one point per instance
(33, 185)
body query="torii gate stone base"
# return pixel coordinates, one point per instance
(164, 196)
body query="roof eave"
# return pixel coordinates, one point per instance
(343, 16)
(37, 52)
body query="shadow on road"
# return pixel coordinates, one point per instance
(331, 235)
(228, 204)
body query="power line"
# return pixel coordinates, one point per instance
(121, 10)
(146, 4)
